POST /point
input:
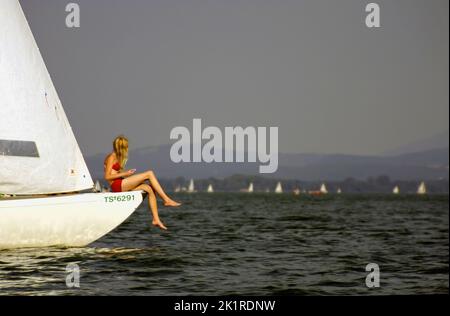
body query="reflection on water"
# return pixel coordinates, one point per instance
(253, 244)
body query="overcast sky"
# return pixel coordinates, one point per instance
(312, 68)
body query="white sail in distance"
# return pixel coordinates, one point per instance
(38, 150)
(323, 189)
(279, 188)
(191, 188)
(250, 188)
(396, 190)
(210, 189)
(422, 190)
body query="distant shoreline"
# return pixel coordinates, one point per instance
(237, 183)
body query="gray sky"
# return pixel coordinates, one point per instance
(311, 67)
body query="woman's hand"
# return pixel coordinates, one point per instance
(130, 172)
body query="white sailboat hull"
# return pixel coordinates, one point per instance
(69, 221)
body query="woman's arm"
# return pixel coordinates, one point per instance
(115, 176)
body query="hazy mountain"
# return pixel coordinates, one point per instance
(424, 165)
(428, 165)
(440, 140)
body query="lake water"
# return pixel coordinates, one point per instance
(254, 244)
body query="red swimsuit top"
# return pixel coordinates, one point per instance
(116, 166)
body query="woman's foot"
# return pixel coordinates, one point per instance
(171, 203)
(159, 224)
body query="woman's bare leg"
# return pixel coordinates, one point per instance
(158, 189)
(133, 181)
(152, 205)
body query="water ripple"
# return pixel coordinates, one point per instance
(241, 244)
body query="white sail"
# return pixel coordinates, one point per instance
(210, 189)
(339, 191)
(396, 190)
(422, 189)
(279, 188)
(250, 188)
(323, 189)
(191, 188)
(38, 150)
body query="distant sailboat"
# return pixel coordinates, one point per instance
(296, 191)
(210, 189)
(339, 191)
(191, 188)
(177, 189)
(396, 190)
(323, 189)
(250, 188)
(422, 190)
(40, 157)
(279, 188)
(97, 186)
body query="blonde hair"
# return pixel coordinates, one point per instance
(120, 146)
